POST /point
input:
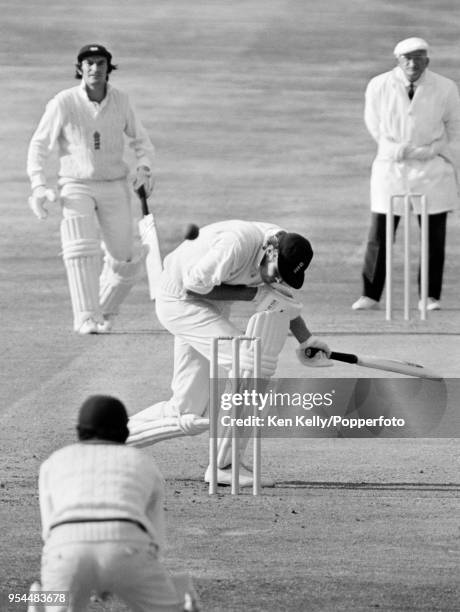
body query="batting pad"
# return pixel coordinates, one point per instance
(81, 253)
(117, 279)
(279, 299)
(272, 328)
(146, 432)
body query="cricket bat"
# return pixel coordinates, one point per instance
(149, 237)
(389, 365)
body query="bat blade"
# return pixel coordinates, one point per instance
(149, 238)
(388, 365)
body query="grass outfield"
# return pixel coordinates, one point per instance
(255, 109)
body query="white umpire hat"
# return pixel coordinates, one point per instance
(408, 45)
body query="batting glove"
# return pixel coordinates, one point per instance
(144, 178)
(41, 196)
(321, 354)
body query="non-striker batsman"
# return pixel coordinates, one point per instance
(87, 124)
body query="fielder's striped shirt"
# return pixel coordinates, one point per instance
(93, 481)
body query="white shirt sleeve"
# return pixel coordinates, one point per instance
(371, 110)
(215, 267)
(452, 115)
(43, 142)
(140, 141)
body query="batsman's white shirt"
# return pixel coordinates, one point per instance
(89, 137)
(228, 252)
(431, 118)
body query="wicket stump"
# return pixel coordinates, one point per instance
(214, 412)
(407, 199)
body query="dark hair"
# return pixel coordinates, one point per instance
(110, 67)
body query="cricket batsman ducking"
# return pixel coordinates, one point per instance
(229, 261)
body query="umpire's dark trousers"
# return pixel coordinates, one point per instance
(374, 259)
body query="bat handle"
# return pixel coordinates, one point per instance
(143, 199)
(345, 357)
(310, 352)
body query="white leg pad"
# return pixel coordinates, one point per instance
(146, 432)
(224, 441)
(117, 279)
(81, 253)
(272, 329)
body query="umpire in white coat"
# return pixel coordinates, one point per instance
(413, 114)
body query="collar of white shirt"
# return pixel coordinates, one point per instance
(402, 77)
(95, 104)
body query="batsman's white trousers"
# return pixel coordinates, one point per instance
(110, 203)
(193, 322)
(127, 567)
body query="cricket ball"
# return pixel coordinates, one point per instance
(191, 231)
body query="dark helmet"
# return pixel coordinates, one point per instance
(103, 417)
